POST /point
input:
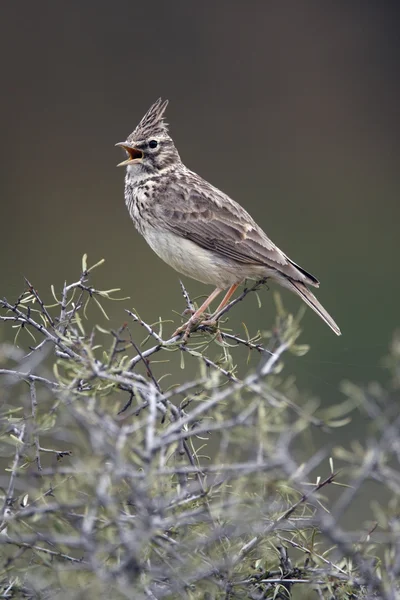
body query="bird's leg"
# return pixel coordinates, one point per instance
(212, 320)
(226, 299)
(194, 319)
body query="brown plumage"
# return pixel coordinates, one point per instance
(195, 227)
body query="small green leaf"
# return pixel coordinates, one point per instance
(96, 265)
(54, 294)
(85, 307)
(339, 423)
(29, 298)
(279, 306)
(101, 308)
(13, 437)
(79, 323)
(30, 333)
(101, 329)
(84, 263)
(299, 349)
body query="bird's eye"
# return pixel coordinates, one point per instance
(153, 144)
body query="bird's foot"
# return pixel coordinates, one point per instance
(193, 324)
(212, 324)
(191, 311)
(209, 322)
(187, 328)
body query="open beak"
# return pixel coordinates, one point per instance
(134, 155)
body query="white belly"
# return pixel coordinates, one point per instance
(189, 258)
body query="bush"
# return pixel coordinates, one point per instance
(119, 485)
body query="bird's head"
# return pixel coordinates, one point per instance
(149, 148)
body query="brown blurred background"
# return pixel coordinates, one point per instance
(291, 108)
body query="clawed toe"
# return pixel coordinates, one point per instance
(186, 328)
(178, 331)
(209, 323)
(196, 321)
(192, 324)
(213, 325)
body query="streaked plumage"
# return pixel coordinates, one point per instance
(196, 228)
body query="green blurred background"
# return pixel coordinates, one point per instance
(289, 107)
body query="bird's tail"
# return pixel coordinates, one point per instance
(302, 290)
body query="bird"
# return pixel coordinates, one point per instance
(196, 228)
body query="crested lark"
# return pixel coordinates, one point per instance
(197, 229)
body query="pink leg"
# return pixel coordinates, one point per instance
(195, 317)
(206, 304)
(227, 297)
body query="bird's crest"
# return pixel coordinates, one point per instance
(152, 123)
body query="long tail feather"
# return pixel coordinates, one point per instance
(301, 290)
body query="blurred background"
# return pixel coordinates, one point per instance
(291, 108)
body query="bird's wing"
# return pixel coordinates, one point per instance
(209, 218)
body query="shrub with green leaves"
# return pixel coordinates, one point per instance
(120, 482)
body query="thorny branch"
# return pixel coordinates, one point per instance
(139, 506)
